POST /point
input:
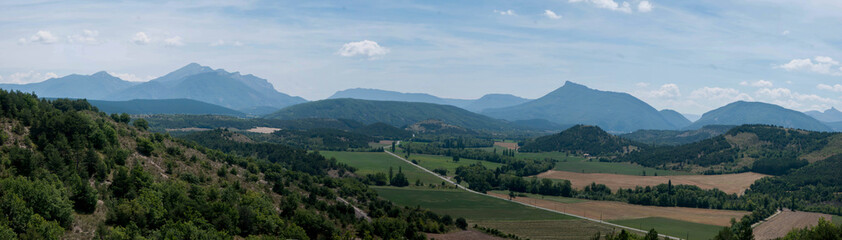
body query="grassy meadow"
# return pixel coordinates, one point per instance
(672, 227)
(434, 162)
(374, 162)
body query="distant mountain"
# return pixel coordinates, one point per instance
(692, 117)
(741, 112)
(94, 86)
(494, 101)
(219, 87)
(676, 137)
(675, 118)
(485, 102)
(163, 106)
(384, 95)
(830, 115)
(581, 139)
(577, 104)
(394, 113)
(540, 125)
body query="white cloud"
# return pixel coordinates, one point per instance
(221, 42)
(174, 41)
(140, 38)
(131, 77)
(608, 4)
(822, 65)
(758, 83)
(506, 12)
(835, 87)
(87, 37)
(218, 43)
(551, 14)
(364, 48)
(641, 84)
(785, 32)
(720, 94)
(669, 90)
(791, 99)
(42, 37)
(644, 6)
(29, 77)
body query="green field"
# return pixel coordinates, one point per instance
(471, 206)
(837, 219)
(374, 162)
(675, 228)
(434, 161)
(583, 165)
(538, 196)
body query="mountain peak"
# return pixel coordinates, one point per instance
(569, 84)
(101, 74)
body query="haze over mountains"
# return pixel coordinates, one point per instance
(474, 105)
(577, 104)
(197, 89)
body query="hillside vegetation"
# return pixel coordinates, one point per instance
(581, 139)
(676, 137)
(163, 106)
(70, 171)
(397, 114)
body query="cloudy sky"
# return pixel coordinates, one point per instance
(692, 56)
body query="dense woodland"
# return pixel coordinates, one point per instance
(65, 165)
(581, 139)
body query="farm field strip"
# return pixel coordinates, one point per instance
(374, 162)
(780, 224)
(610, 211)
(435, 161)
(525, 204)
(687, 230)
(728, 183)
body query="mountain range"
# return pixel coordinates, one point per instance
(830, 115)
(163, 106)
(474, 105)
(398, 114)
(577, 104)
(194, 81)
(742, 112)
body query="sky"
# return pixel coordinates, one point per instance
(690, 56)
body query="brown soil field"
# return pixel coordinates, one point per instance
(387, 142)
(470, 234)
(779, 225)
(609, 210)
(729, 183)
(551, 229)
(263, 130)
(512, 146)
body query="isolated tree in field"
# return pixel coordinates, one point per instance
(511, 195)
(393, 146)
(400, 179)
(461, 223)
(391, 175)
(455, 158)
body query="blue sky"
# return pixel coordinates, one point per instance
(692, 56)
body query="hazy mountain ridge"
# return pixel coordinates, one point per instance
(394, 113)
(75, 86)
(163, 106)
(577, 104)
(741, 112)
(474, 105)
(829, 115)
(676, 137)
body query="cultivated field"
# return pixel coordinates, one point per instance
(503, 215)
(263, 130)
(609, 210)
(672, 227)
(434, 161)
(729, 183)
(470, 234)
(507, 145)
(375, 162)
(572, 163)
(781, 224)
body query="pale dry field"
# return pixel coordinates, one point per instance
(609, 210)
(263, 130)
(729, 183)
(779, 225)
(512, 146)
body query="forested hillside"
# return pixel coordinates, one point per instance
(70, 171)
(676, 137)
(758, 148)
(581, 139)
